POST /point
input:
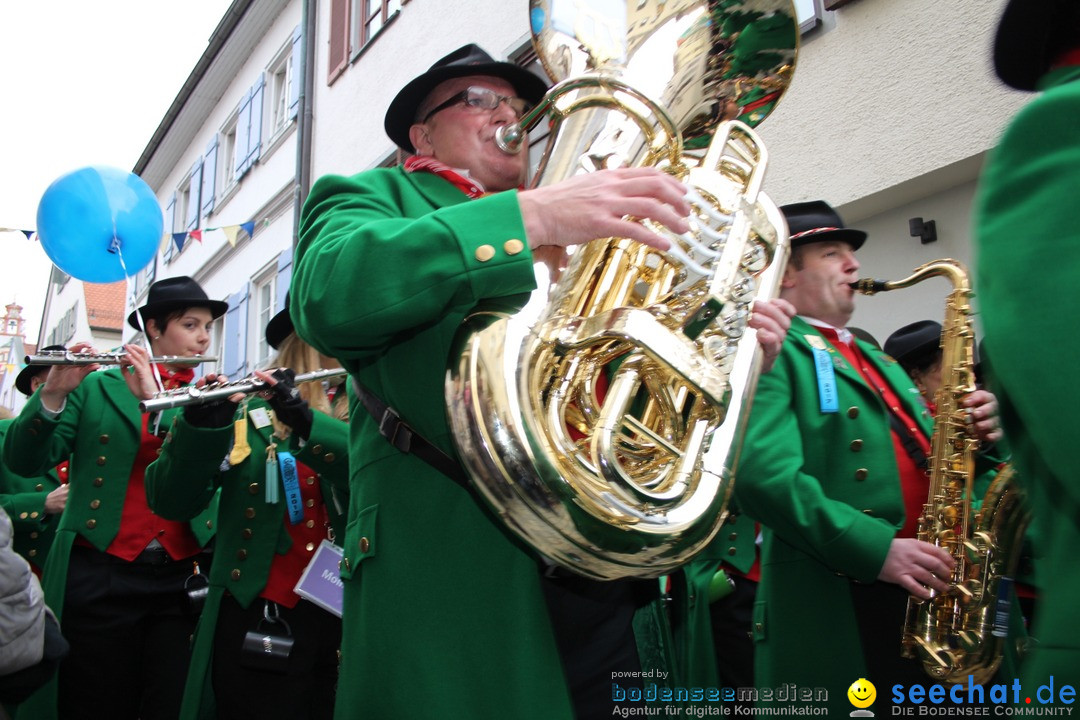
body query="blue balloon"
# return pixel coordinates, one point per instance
(99, 224)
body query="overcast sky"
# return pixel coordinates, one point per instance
(84, 82)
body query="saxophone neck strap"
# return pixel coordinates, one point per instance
(911, 445)
(406, 440)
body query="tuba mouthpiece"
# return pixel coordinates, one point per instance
(509, 138)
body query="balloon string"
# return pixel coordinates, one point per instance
(116, 247)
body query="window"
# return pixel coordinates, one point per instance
(264, 309)
(12, 326)
(65, 329)
(227, 154)
(808, 14)
(285, 85)
(368, 18)
(217, 330)
(183, 206)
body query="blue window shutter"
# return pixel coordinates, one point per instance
(170, 213)
(243, 120)
(297, 72)
(255, 132)
(284, 275)
(209, 177)
(194, 186)
(234, 363)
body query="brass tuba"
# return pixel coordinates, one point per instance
(962, 632)
(602, 421)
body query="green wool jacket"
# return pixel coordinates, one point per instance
(1028, 259)
(250, 531)
(444, 615)
(100, 430)
(827, 490)
(23, 499)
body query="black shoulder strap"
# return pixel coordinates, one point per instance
(401, 435)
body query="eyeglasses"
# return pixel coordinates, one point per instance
(479, 98)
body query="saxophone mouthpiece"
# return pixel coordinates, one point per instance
(869, 286)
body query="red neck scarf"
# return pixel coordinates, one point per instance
(175, 378)
(420, 163)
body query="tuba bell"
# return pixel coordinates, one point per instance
(602, 421)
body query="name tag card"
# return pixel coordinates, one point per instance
(321, 582)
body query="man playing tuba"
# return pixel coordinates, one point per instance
(445, 615)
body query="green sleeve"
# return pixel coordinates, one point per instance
(181, 482)
(375, 259)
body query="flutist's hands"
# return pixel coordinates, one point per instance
(771, 319)
(284, 397)
(141, 382)
(62, 379)
(916, 565)
(595, 205)
(215, 414)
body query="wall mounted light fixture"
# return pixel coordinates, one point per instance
(927, 230)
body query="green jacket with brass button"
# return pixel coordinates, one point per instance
(826, 488)
(100, 429)
(23, 498)
(444, 613)
(250, 531)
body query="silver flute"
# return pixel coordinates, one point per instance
(56, 357)
(191, 395)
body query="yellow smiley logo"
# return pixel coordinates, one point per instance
(862, 693)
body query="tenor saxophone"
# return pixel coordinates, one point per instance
(961, 632)
(602, 422)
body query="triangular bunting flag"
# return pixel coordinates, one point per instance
(250, 227)
(179, 239)
(165, 238)
(230, 233)
(28, 233)
(196, 235)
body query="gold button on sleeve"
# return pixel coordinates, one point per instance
(39, 487)
(249, 513)
(98, 482)
(862, 474)
(364, 544)
(330, 457)
(856, 445)
(95, 504)
(485, 253)
(32, 553)
(513, 246)
(104, 439)
(853, 412)
(91, 523)
(235, 574)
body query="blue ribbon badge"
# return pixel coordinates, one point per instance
(826, 375)
(291, 481)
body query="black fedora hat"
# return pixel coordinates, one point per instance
(22, 380)
(915, 343)
(466, 60)
(816, 221)
(279, 327)
(175, 293)
(1031, 35)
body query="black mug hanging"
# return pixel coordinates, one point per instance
(268, 646)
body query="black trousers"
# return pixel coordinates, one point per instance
(130, 631)
(307, 687)
(593, 624)
(731, 618)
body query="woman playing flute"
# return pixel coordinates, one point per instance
(273, 516)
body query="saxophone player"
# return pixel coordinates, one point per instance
(831, 467)
(445, 616)
(1025, 229)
